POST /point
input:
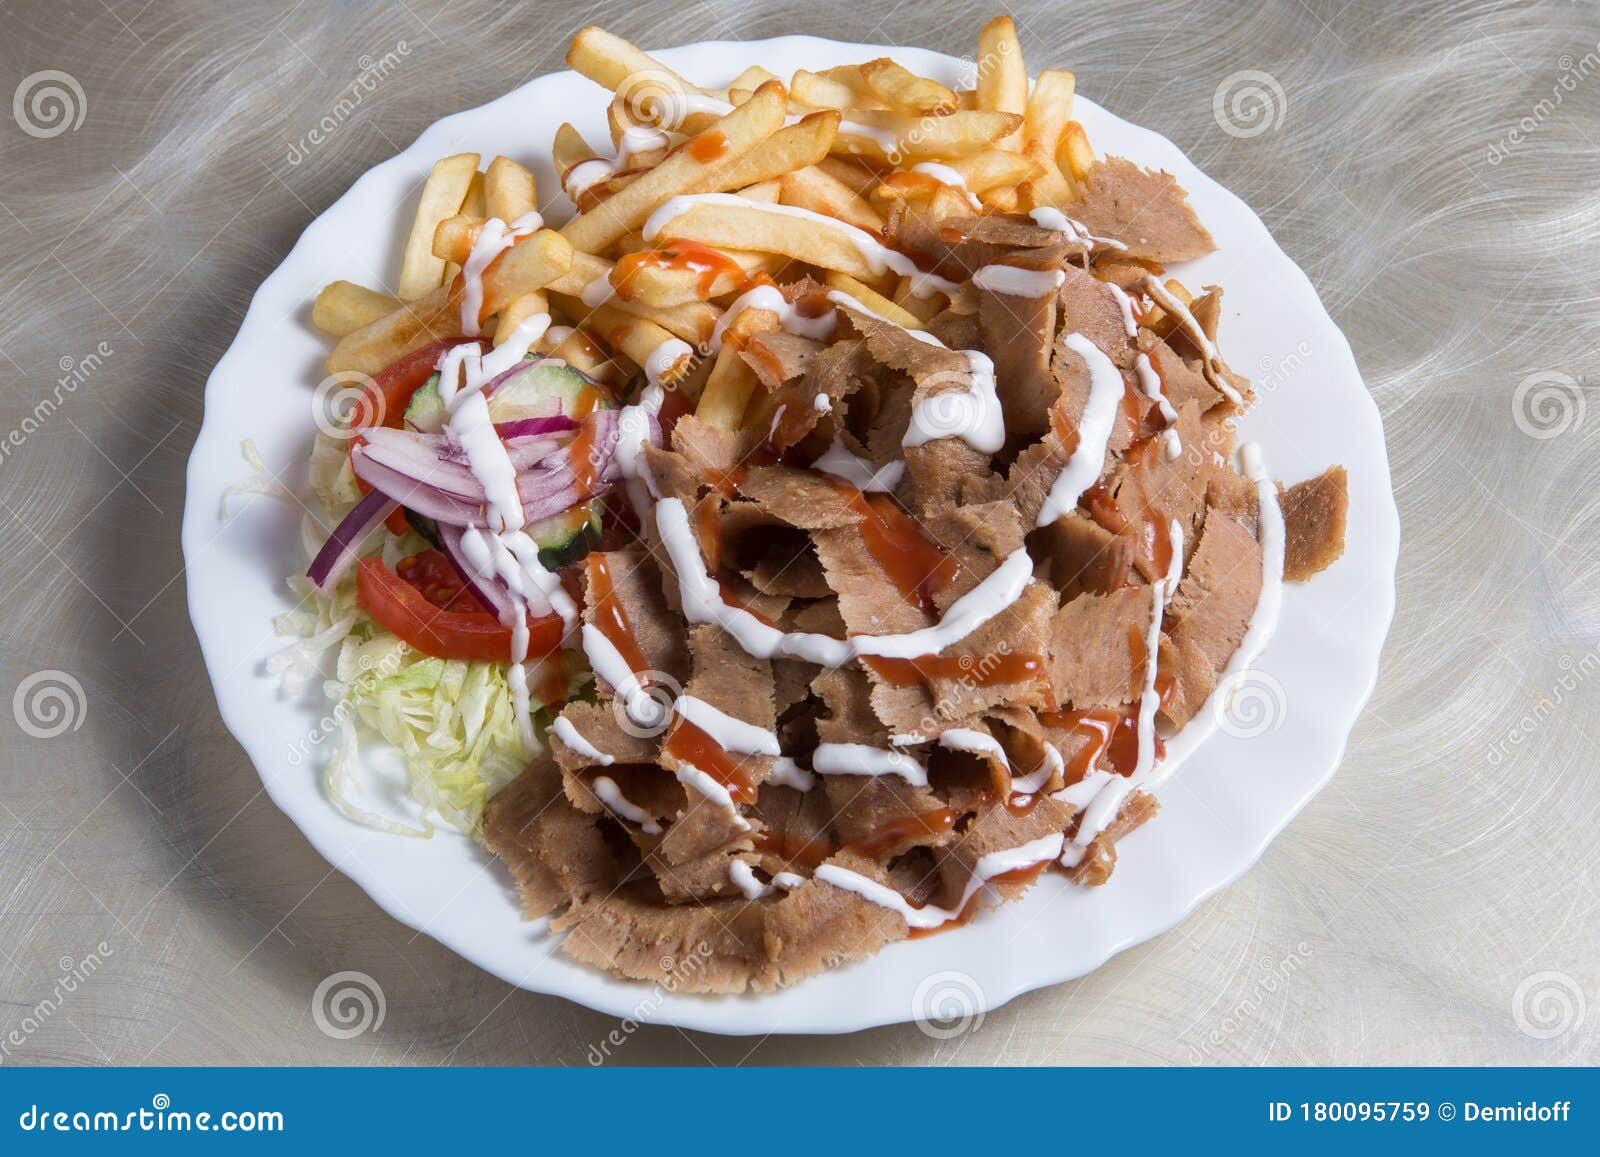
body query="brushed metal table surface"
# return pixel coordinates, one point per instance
(1432, 166)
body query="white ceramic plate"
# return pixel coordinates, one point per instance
(1218, 814)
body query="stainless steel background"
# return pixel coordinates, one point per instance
(1433, 166)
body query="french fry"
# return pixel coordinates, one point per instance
(1002, 75)
(581, 352)
(530, 264)
(731, 137)
(569, 150)
(1049, 110)
(508, 190)
(472, 205)
(610, 61)
(634, 337)
(880, 134)
(765, 192)
(749, 80)
(821, 192)
(518, 311)
(344, 307)
(852, 173)
(873, 300)
(905, 91)
(730, 226)
(820, 92)
(587, 282)
(1002, 199)
(1074, 154)
(992, 167)
(804, 143)
(672, 276)
(849, 75)
(732, 382)
(442, 195)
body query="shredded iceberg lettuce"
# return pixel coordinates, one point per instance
(453, 722)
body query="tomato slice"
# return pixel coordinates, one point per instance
(403, 610)
(439, 581)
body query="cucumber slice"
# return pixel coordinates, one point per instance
(567, 537)
(544, 388)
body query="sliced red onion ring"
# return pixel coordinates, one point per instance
(425, 499)
(339, 552)
(522, 427)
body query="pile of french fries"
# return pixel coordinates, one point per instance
(846, 143)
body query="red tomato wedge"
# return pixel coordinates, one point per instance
(403, 610)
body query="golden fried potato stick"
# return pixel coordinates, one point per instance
(344, 307)
(732, 382)
(803, 143)
(873, 300)
(442, 196)
(518, 311)
(725, 141)
(587, 283)
(882, 135)
(821, 192)
(673, 275)
(1074, 154)
(1049, 110)
(532, 263)
(610, 61)
(508, 190)
(1002, 75)
(905, 91)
